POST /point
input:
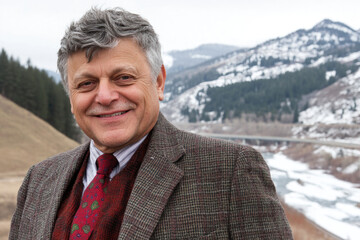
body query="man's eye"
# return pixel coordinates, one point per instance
(85, 84)
(124, 77)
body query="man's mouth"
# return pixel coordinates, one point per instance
(112, 115)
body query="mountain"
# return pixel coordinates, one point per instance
(26, 139)
(333, 112)
(54, 75)
(329, 49)
(176, 61)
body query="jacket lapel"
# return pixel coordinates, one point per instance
(58, 181)
(155, 182)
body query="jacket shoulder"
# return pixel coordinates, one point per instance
(61, 160)
(193, 141)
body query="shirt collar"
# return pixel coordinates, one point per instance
(123, 155)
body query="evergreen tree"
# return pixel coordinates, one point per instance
(35, 91)
(272, 97)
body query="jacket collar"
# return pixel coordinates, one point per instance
(67, 167)
(157, 178)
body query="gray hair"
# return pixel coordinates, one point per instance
(99, 29)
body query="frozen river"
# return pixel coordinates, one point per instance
(324, 199)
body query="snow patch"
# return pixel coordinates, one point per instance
(201, 56)
(168, 60)
(330, 74)
(329, 202)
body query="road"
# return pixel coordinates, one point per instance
(283, 139)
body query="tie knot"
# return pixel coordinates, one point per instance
(106, 164)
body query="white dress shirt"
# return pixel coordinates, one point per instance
(123, 156)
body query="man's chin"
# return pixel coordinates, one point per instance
(111, 142)
(110, 147)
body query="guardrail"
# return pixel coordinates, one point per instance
(284, 139)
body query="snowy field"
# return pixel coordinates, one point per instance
(327, 201)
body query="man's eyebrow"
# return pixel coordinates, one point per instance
(83, 75)
(123, 69)
(116, 70)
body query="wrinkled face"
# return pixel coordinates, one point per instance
(113, 97)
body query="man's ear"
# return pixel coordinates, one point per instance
(71, 105)
(160, 82)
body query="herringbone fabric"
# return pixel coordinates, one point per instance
(93, 199)
(69, 205)
(119, 190)
(118, 194)
(187, 187)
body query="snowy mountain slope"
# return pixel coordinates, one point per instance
(338, 103)
(55, 75)
(333, 113)
(326, 41)
(176, 61)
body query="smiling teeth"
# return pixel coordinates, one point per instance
(112, 115)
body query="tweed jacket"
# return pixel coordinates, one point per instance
(188, 187)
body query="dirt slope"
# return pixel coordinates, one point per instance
(26, 139)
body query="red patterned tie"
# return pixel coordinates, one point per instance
(90, 206)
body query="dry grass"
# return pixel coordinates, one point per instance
(305, 153)
(25, 139)
(4, 229)
(300, 151)
(338, 130)
(9, 187)
(302, 228)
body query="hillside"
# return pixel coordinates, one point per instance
(25, 139)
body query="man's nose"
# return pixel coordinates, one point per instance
(106, 92)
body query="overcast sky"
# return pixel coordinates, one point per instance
(32, 29)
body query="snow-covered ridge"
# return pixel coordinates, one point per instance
(334, 25)
(176, 61)
(336, 104)
(201, 56)
(168, 60)
(268, 60)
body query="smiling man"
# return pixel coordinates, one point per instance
(139, 177)
(114, 97)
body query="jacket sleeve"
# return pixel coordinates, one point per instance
(255, 210)
(18, 215)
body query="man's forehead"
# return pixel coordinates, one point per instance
(123, 57)
(90, 53)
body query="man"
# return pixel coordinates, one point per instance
(164, 183)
